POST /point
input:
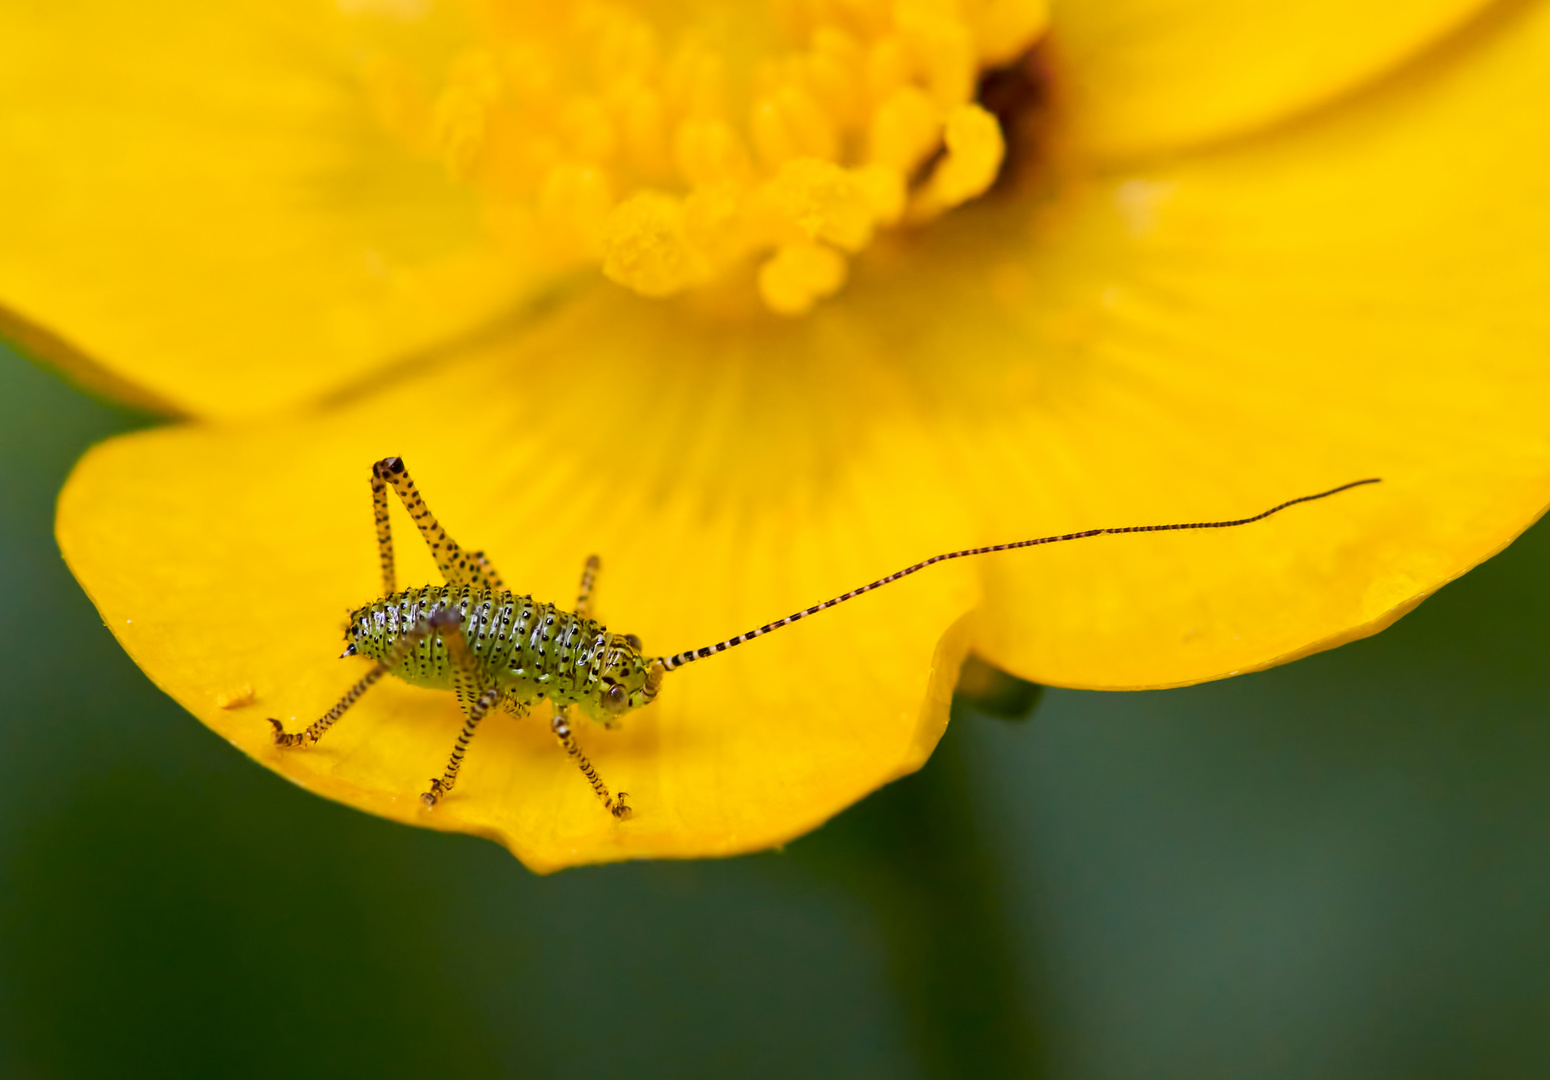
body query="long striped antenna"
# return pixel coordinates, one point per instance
(678, 660)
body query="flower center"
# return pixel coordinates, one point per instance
(675, 157)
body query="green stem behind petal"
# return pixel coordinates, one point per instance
(922, 859)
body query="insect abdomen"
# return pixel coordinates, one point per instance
(529, 650)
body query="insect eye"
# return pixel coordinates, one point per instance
(616, 700)
(635, 642)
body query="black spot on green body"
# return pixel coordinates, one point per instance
(527, 650)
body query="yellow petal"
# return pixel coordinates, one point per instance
(207, 199)
(1139, 76)
(225, 561)
(1363, 296)
(217, 206)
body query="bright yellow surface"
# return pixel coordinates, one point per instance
(224, 559)
(202, 198)
(243, 206)
(1141, 76)
(1361, 296)
(1358, 294)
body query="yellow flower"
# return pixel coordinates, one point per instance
(760, 304)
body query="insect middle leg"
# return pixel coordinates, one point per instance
(560, 725)
(457, 566)
(475, 693)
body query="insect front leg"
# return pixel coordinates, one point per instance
(314, 732)
(589, 574)
(588, 582)
(560, 725)
(474, 691)
(457, 566)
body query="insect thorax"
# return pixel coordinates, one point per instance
(528, 650)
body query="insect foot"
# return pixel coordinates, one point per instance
(434, 795)
(619, 810)
(295, 738)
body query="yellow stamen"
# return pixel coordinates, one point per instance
(463, 112)
(603, 139)
(940, 48)
(975, 148)
(905, 129)
(798, 275)
(645, 247)
(834, 71)
(788, 124)
(825, 202)
(885, 189)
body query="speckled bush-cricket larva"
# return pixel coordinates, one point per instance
(491, 646)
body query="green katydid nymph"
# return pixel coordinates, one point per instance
(492, 646)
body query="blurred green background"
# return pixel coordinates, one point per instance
(1339, 868)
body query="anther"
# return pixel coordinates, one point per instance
(639, 154)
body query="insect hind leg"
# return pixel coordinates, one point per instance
(457, 566)
(614, 804)
(315, 731)
(384, 523)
